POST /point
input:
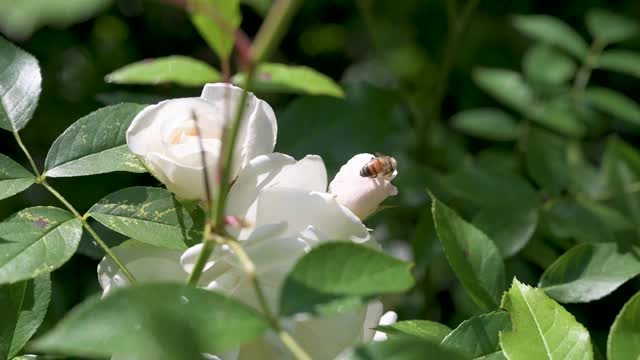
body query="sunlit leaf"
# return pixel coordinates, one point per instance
(472, 255)
(488, 123)
(292, 79)
(154, 321)
(614, 103)
(148, 214)
(589, 272)
(551, 30)
(181, 70)
(425, 329)
(20, 82)
(478, 336)
(559, 115)
(13, 177)
(24, 305)
(622, 61)
(35, 241)
(624, 338)
(545, 65)
(541, 328)
(609, 27)
(338, 275)
(95, 144)
(217, 22)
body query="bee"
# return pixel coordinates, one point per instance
(379, 165)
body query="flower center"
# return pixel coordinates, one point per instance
(176, 136)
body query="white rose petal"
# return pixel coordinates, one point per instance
(165, 137)
(362, 195)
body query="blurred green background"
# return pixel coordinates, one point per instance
(406, 69)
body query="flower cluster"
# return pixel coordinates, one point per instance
(287, 207)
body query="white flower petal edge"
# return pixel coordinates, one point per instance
(362, 195)
(147, 263)
(165, 136)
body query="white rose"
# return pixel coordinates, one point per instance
(164, 136)
(288, 209)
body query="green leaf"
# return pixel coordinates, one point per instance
(405, 348)
(472, 255)
(95, 144)
(151, 215)
(19, 19)
(546, 160)
(621, 173)
(217, 22)
(559, 115)
(181, 70)
(339, 275)
(624, 338)
(506, 86)
(569, 218)
(35, 241)
(510, 228)
(551, 30)
(478, 336)
(20, 85)
(488, 123)
(291, 79)
(154, 321)
(614, 103)
(429, 330)
(610, 27)
(24, 305)
(590, 272)
(478, 187)
(13, 177)
(544, 65)
(622, 61)
(541, 328)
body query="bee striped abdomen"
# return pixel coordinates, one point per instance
(365, 171)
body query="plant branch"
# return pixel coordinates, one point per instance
(90, 230)
(584, 73)
(27, 154)
(273, 28)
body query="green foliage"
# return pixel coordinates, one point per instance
(614, 103)
(554, 31)
(181, 70)
(610, 27)
(490, 123)
(151, 215)
(478, 336)
(35, 241)
(541, 328)
(159, 321)
(543, 64)
(217, 22)
(19, 86)
(95, 144)
(623, 342)
(13, 177)
(293, 79)
(589, 272)
(473, 256)
(429, 330)
(19, 19)
(335, 276)
(405, 348)
(622, 61)
(24, 305)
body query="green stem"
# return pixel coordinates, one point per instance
(27, 154)
(207, 249)
(90, 230)
(584, 73)
(273, 28)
